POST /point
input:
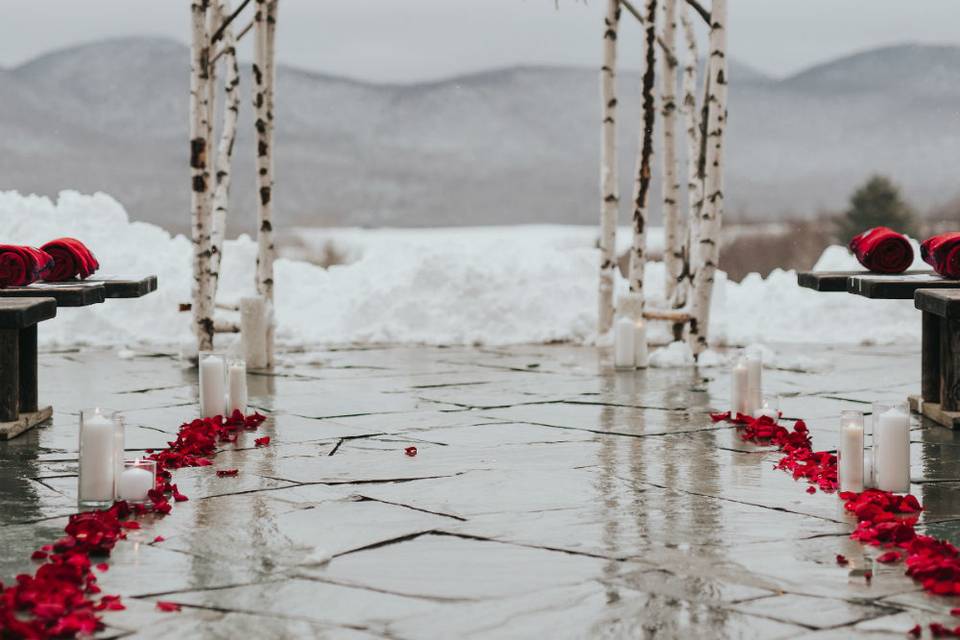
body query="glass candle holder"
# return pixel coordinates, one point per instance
(100, 452)
(739, 387)
(892, 449)
(850, 454)
(213, 384)
(237, 386)
(769, 407)
(136, 480)
(870, 443)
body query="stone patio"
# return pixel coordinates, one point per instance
(551, 497)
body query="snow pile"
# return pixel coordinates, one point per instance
(492, 285)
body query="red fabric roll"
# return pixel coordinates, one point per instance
(72, 259)
(943, 254)
(20, 266)
(883, 250)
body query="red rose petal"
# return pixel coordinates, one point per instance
(410, 451)
(842, 560)
(227, 473)
(262, 442)
(159, 539)
(888, 557)
(168, 607)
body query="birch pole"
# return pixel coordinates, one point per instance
(610, 191)
(708, 242)
(672, 221)
(264, 25)
(228, 134)
(644, 154)
(202, 303)
(694, 185)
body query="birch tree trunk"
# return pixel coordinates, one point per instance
(231, 109)
(202, 306)
(264, 29)
(610, 191)
(694, 185)
(644, 152)
(708, 242)
(672, 221)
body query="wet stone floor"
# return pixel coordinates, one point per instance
(551, 497)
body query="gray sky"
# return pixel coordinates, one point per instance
(404, 40)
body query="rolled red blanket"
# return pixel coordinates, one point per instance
(72, 259)
(943, 254)
(20, 266)
(883, 250)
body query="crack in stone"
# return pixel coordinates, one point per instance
(159, 594)
(336, 447)
(151, 389)
(389, 592)
(364, 498)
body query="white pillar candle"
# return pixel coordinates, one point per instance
(893, 451)
(851, 471)
(237, 384)
(253, 331)
(739, 389)
(640, 350)
(98, 458)
(754, 384)
(212, 382)
(135, 483)
(624, 336)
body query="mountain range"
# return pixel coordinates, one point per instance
(504, 146)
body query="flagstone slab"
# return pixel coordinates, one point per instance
(820, 613)
(591, 610)
(311, 600)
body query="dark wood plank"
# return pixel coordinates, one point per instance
(67, 294)
(949, 367)
(17, 313)
(123, 287)
(898, 287)
(930, 358)
(827, 281)
(933, 411)
(944, 303)
(28, 369)
(9, 375)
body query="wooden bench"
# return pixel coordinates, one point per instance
(904, 286)
(74, 293)
(19, 405)
(939, 397)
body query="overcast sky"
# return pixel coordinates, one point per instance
(405, 40)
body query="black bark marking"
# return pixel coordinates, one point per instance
(198, 153)
(265, 200)
(199, 184)
(649, 115)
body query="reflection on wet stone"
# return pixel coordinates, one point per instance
(550, 496)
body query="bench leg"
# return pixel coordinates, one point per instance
(930, 359)
(949, 369)
(28, 370)
(9, 375)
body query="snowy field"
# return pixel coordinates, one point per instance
(485, 285)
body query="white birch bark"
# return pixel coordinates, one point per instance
(264, 25)
(691, 116)
(708, 241)
(672, 221)
(645, 150)
(202, 305)
(231, 109)
(610, 191)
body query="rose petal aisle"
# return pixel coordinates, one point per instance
(61, 598)
(884, 519)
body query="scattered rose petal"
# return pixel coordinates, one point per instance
(842, 560)
(227, 473)
(103, 566)
(888, 557)
(158, 539)
(811, 489)
(410, 451)
(262, 442)
(168, 607)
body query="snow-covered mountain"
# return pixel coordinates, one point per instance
(504, 146)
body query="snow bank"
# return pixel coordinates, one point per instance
(490, 285)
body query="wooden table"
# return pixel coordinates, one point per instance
(19, 405)
(939, 397)
(904, 286)
(25, 414)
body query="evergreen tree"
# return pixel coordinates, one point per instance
(876, 203)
